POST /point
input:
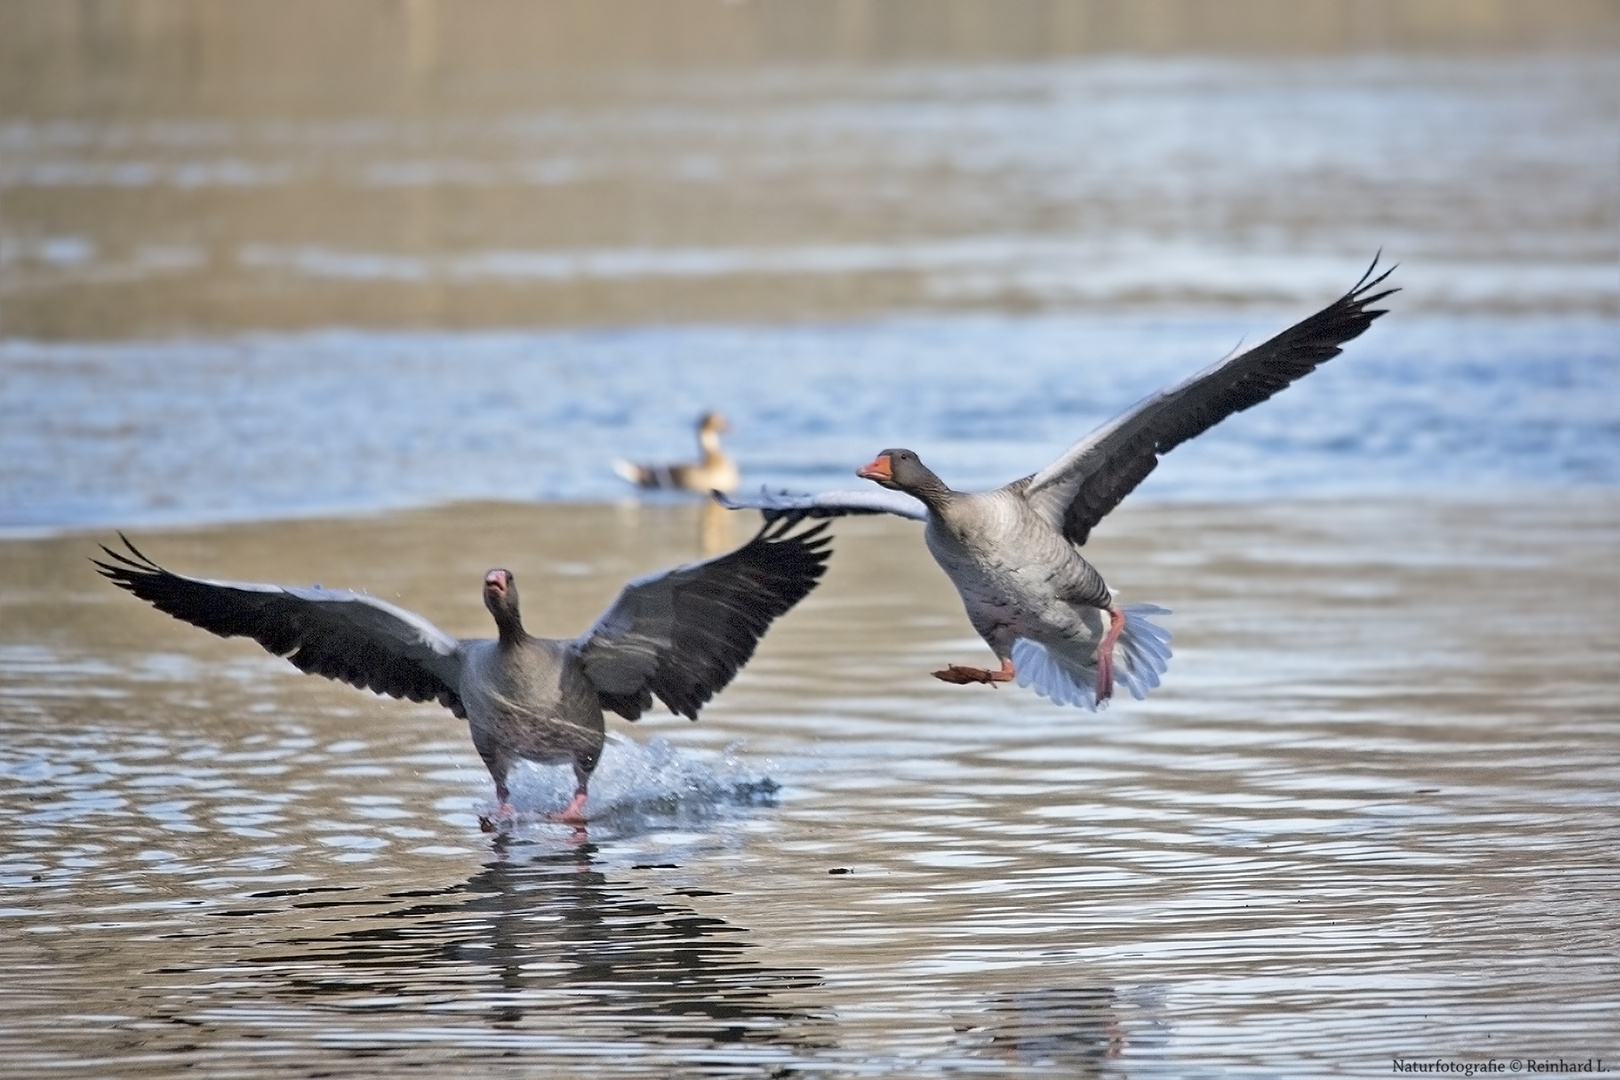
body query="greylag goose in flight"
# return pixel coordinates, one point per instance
(1013, 553)
(715, 472)
(681, 635)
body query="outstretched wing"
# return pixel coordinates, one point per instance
(342, 635)
(683, 634)
(782, 504)
(1079, 489)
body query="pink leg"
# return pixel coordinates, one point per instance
(1105, 655)
(574, 813)
(961, 675)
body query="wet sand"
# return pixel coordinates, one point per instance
(1369, 814)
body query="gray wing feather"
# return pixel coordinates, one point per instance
(342, 635)
(683, 634)
(1080, 488)
(782, 504)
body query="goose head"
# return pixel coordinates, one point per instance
(902, 470)
(501, 598)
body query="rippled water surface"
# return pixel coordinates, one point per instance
(164, 432)
(1370, 815)
(372, 295)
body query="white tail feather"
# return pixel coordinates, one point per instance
(629, 470)
(1140, 657)
(647, 476)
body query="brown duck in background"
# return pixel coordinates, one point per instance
(680, 635)
(715, 472)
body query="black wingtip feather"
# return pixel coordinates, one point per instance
(123, 564)
(282, 624)
(1240, 383)
(766, 578)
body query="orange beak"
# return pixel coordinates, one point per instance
(878, 470)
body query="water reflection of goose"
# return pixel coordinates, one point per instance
(526, 942)
(681, 635)
(714, 471)
(1083, 1029)
(1013, 553)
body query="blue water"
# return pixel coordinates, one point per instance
(977, 261)
(261, 426)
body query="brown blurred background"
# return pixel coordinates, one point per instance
(63, 57)
(180, 167)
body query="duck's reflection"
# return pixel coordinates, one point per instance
(550, 939)
(718, 528)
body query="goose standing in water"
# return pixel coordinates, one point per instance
(681, 635)
(715, 472)
(1014, 553)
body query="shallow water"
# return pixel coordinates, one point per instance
(269, 279)
(153, 433)
(150, 432)
(1369, 815)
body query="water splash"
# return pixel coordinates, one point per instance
(646, 787)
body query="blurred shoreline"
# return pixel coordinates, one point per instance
(714, 529)
(183, 170)
(64, 56)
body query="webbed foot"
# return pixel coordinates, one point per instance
(573, 813)
(961, 675)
